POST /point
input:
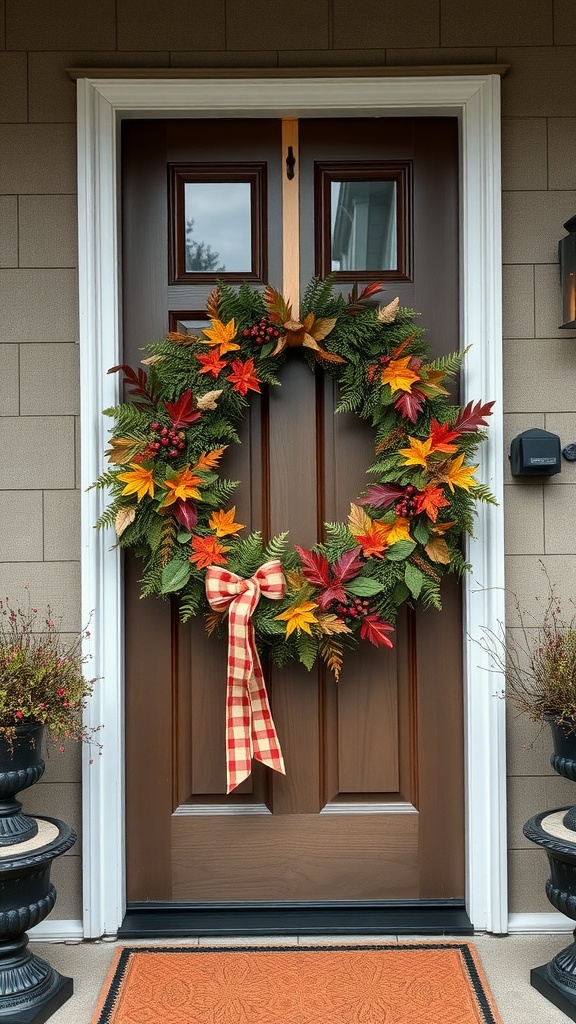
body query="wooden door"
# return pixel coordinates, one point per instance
(372, 805)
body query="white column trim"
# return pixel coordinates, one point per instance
(102, 103)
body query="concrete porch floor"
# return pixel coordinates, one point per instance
(506, 962)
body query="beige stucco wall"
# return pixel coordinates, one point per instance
(39, 392)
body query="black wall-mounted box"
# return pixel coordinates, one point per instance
(535, 452)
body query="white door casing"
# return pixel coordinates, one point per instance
(102, 104)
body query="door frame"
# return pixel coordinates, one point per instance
(104, 100)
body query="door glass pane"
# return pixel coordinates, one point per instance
(218, 226)
(363, 225)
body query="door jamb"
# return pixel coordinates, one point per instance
(102, 104)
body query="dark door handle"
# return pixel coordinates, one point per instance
(290, 163)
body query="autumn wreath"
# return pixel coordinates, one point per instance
(171, 506)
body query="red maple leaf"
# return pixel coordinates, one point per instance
(410, 404)
(136, 382)
(182, 412)
(314, 567)
(441, 436)
(316, 570)
(472, 417)
(374, 629)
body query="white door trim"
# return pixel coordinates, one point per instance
(102, 103)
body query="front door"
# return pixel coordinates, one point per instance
(372, 805)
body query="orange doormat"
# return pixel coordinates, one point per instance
(409, 983)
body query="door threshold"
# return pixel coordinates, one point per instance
(408, 917)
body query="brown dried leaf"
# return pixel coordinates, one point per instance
(276, 306)
(320, 329)
(124, 517)
(332, 653)
(184, 340)
(124, 449)
(209, 400)
(359, 521)
(437, 550)
(213, 304)
(331, 624)
(387, 314)
(212, 620)
(151, 360)
(295, 579)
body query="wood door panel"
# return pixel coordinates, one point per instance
(372, 803)
(310, 857)
(368, 726)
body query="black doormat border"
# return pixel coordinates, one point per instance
(411, 917)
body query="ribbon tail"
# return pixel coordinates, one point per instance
(239, 742)
(265, 742)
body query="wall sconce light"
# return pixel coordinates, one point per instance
(567, 257)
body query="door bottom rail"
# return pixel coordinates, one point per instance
(407, 917)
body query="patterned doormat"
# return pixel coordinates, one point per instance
(409, 983)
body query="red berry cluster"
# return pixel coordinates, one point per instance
(261, 332)
(353, 610)
(167, 442)
(406, 506)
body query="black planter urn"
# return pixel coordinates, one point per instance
(30, 989)
(555, 832)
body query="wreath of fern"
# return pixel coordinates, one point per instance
(170, 505)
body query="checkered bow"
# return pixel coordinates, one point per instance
(250, 731)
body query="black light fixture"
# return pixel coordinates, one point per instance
(567, 257)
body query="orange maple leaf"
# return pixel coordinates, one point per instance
(223, 522)
(211, 363)
(207, 551)
(441, 436)
(243, 378)
(399, 375)
(209, 460)
(430, 500)
(222, 335)
(182, 486)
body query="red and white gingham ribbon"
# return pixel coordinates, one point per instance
(250, 731)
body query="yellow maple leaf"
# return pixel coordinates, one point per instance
(458, 475)
(299, 616)
(223, 522)
(138, 481)
(417, 453)
(222, 335)
(399, 375)
(437, 550)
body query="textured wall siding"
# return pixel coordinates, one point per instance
(39, 501)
